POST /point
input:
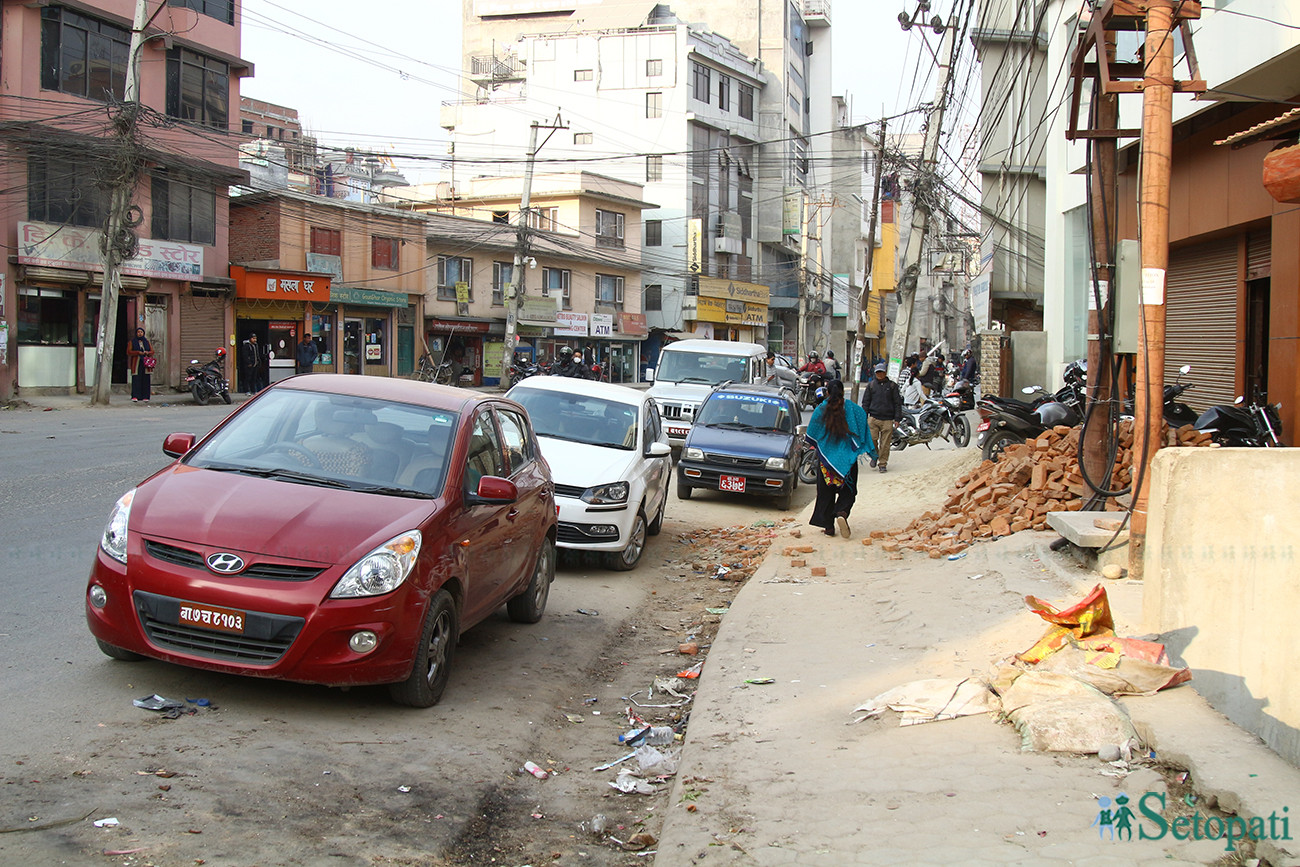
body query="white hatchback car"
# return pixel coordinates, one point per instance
(610, 459)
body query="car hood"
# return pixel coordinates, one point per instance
(583, 465)
(214, 509)
(691, 392)
(741, 443)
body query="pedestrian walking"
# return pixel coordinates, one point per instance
(307, 352)
(884, 407)
(839, 431)
(141, 360)
(252, 364)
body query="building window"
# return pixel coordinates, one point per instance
(47, 316)
(724, 92)
(453, 270)
(653, 295)
(62, 190)
(545, 219)
(222, 10)
(654, 105)
(246, 127)
(654, 168)
(184, 209)
(701, 81)
(502, 217)
(385, 253)
(654, 233)
(654, 67)
(198, 88)
(609, 229)
(582, 75)
(83, 56)
(503, 274)
(746, 107)
(581, 138)
(609, 289)
(556, 281)
(327, 242)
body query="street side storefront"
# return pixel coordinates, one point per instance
(730, 310)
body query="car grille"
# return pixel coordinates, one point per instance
(569, 491)
(265, 639)
(733, 461)
(264, 571)
(671, 411)
(577, 533)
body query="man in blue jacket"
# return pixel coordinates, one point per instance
(884, 405)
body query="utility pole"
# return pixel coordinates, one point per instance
(922, 189)
(515, 297)
(118, 241)
(802, 336)
(864, 297)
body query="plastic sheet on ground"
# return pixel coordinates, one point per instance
(1056, 712)
(924, 701)
(1128, 674)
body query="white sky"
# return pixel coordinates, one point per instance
(373, 75)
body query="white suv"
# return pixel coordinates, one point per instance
(610, 460)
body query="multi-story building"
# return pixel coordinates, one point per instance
(719, 120)
(350, 275)
(63, 70)
(583, 284)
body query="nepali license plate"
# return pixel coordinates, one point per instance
(211, 617)
(732, 483)
(678, 431)
(984, 425)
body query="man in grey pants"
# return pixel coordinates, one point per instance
(884, 405)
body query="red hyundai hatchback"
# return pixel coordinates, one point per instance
(339, 530)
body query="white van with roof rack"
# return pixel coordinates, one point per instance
(689, 369)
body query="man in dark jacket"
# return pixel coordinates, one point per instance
(252, 364)
(884, 405)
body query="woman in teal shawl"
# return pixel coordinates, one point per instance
(838, 430)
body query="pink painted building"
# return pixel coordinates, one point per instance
(63, 66)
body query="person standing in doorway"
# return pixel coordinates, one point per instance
(884, 405)
(306, 354)
(840, 432)
(141, 359)
(252, 362)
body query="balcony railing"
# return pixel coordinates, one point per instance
(817, 11)
(496, 68)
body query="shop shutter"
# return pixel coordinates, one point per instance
(203, 327)
(1259, 254)
(1201, 320)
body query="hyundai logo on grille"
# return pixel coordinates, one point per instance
(227, 564)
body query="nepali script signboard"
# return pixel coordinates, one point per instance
(55, 246)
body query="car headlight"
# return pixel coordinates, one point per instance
(114, 539)
(382, 570)
(777, 464)
(693, 454)
(605, 495)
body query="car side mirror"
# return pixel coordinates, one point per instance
(649, 374)
(657, 449)
(177, 444)
(801, 430)
(493, 491)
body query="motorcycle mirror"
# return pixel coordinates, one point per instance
(194, 361)
(1240, 399)
(1185, 369)
(1030, 389)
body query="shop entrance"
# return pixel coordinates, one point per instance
(352, 346)
(244, 328)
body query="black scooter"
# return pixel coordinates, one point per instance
(208, 381)
(1254, 425)
(1006, 421)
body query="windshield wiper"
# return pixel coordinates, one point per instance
(733, 425)
(702, 379)
(392, 491)
(305, 478)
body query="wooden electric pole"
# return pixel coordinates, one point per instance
(117, 242)
(869, 283)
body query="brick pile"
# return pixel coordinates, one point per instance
(1030, 480)
(739, 550)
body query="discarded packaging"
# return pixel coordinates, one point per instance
(535, 771)
(1058, 713)
(629, 783)
(653, 735)
(692, 672)
(638, 841)
(403, 789)
(107, 823)
(595, 825)
(655, 763)
(760, 681)
(157, 702)
(575, 718)
(608, 765)
(589, 612)
(957, 556)
(924, 701)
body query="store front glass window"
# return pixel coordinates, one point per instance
(322, 331)
(47, 317)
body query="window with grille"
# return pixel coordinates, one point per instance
(653, 295)
(609, 229)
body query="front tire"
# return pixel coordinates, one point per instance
(997, 443)
(225, 396)
(529, 605)
(808, 467)
(899, 441)
(432, 666)
(657, 524)
(684, 491)
(960, 431)
(626, 560)
(200, 394)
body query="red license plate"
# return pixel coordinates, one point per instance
(678, 431)
(211, 617)
(984, 425)
(732, 483)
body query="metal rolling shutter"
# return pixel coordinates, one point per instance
(1201, 320)
(1259, 254)
(203, 326)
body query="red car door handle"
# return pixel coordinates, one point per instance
(512, 514)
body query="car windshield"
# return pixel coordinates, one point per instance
(746, 412)
(580, 419)
(701, 367)
(338, 441)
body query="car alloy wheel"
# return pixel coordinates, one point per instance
(432, 666)
(627, 559)
(529, 605)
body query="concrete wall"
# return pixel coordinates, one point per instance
(1221, 581)
(1028, 361)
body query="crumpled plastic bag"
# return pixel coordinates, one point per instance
(1089, 616)
(1130, 674)
(629, 783)
(923, 701)
(1056, 712)
(652, 762)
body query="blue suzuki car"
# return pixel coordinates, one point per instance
(745, 440)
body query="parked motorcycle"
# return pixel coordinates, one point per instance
(936, 417)
(209, 380)
(1253, 425)
(522, 369)
(1006, 421)
(1176, 413)
(964, 393)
